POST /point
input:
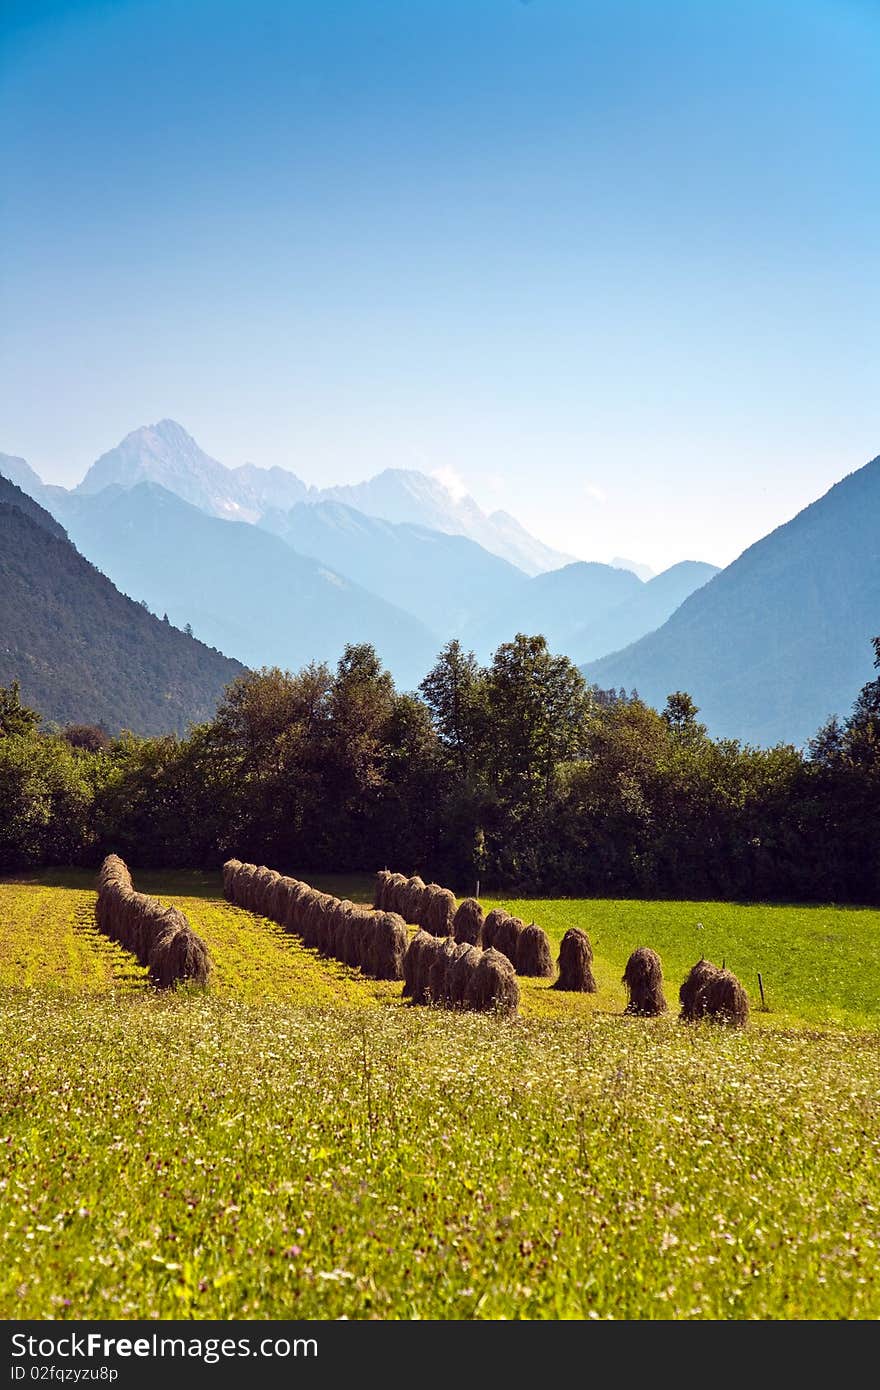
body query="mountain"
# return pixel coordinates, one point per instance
(647, 609)
(167, 455)
(18, 471)
(399, 494)
(781, 638)
(438, 576)
(644, 572)
(556, 604)
(239, 587)
(82, 651)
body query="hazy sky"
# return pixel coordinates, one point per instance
(613, 265)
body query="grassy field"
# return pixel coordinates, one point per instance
(820, 965)
(295, 1141)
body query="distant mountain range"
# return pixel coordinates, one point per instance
(781, 638)
(240, 587)
(82, 651)
(166, 454)
(585, 609)
(427, 572)
(644, 609)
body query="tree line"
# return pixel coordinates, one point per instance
(517, 774)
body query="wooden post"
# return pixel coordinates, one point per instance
(477, 889)
(761, 988)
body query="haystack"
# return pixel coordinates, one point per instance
(177, 953)
(387, 940)
(467, 924)
(412, 962)
(438, 910)
(412, 900)
(439, 971)
(643, 978)
(491, 924)
(507, 937)
(576, 963)
(691, 994)
(380, 891)
(459, 973)
(533, 954)
(492, 985)
(230, 869)
(723, 1000)
(425, 948)
(398, 885)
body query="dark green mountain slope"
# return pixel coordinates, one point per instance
(81, 650)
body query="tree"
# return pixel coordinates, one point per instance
(455, 692)
(15, 718)
(539, 707)
(680, 715)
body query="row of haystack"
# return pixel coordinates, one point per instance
(433, 908)
(160, 937)
(376, 942)
(425, 905)
(455, 974)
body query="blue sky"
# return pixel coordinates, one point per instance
(613, 266)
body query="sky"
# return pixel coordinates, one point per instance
(610, 265)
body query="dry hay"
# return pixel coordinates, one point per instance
(533, 954)
(380, 891)
(386, 940)
(643, 978)
(691, 994)
(576, 963)
(147, 929)
(467, 924)
(412, 900)
(439, 971)
(459, 972)
(417, 967)
(114, 871)
(242, 886)
(492, 986)
(177, 953)
(261, 882)
(315, 918)
(230, 869)
(354, 936)
(278, 898)
(139, 923)
(723, 1000)
(507, 937)
(334, 926)
(412, 963)
(437, 910)
(296, 900)
(396, 889)
(491, 924)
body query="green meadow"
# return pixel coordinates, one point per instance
(297, 1141)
